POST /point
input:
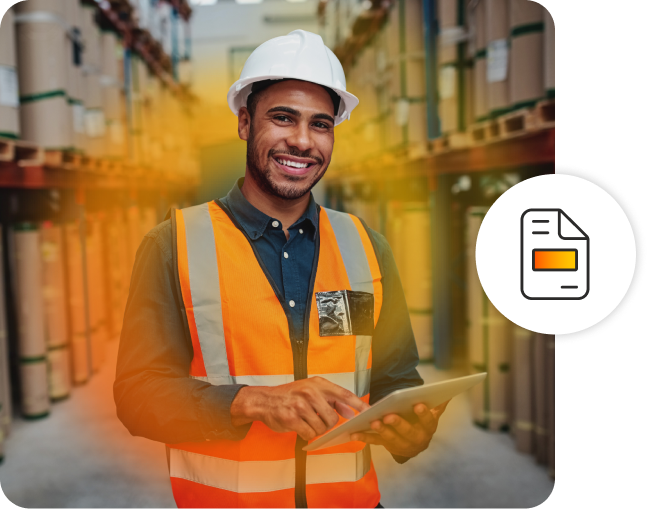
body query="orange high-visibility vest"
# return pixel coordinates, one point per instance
(241, 332)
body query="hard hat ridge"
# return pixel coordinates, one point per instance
(299, 55)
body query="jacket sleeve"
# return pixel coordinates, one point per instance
(154, 394)
(394, 352)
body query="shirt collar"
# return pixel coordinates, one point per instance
(255, 222)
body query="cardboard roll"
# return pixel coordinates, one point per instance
(96, 291)
(417, 257)
(59, 373)
(8, 40)
(5, 383)
(422, 327)
(498, 58)
(77, 304)
(42, 58)
(527, 47)
(54, 296)
(29, 299)
(522, 386)
(489, 342)
(34, 390)
(47, 122)
(55, 7)
(549, 54)
(9, 120)
(111, 46)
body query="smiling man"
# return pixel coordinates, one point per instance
(261, 320)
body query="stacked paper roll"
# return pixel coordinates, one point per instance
(417, 258)
(551, 405)
(117, 248)
(42, 77)
(135, 235)
(9, 117)
(527, 44)
(522, 386)
(498, 58)
(541, 397)
(448, 67)
(95, 123)
(480, 82)
(5, 382)
(489, 341)
(549, 54)
(54, 298)
(96, 292)
(76, 77)
(77, 304)
(111, 48)
(32, 345)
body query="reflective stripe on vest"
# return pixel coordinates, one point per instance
(240, 335)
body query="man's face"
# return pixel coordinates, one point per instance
(290, 139)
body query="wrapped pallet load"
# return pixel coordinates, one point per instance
(32, 345)
(5, 381)
(489, 341)
(497, 56)
(527, 41)
(9, 116)
(77, 304)
(41, 33)
(55, 299)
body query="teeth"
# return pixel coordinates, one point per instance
(293, 164)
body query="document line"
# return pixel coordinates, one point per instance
(569, 287)
(540, 233)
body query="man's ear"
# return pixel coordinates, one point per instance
(244, 123)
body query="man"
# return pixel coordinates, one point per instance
(255, 321)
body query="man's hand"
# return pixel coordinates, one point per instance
(399, 436)
(309, 407)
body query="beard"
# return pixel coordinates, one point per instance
(261, 172)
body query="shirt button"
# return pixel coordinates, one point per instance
(285, 255)
(275, 223)
(301, 231)
(292, 303)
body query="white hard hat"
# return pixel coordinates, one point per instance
(299, 55)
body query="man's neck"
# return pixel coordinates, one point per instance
(286, 211)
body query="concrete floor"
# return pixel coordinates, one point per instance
(81, 456)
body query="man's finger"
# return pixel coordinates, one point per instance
(348, 398)
(438, 410)
(428, 420)
(402, 427)
(325, 412)
(389, 435)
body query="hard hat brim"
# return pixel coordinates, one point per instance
(239, 92)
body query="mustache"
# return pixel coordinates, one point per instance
(295, 153)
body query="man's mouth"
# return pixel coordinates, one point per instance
(294, 165)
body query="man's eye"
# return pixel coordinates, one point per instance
(282, 118)
(321, 125)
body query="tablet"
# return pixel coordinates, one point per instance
(398, 402)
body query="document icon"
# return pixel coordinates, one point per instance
(555, 256)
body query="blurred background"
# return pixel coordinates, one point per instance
(112, 111)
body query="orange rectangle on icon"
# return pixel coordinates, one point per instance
(555, 259)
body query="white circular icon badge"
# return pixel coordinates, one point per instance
(555, 254)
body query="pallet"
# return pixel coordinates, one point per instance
(452, 141)
(23, 153)
(483, 132)
(546, 111)
(65, 159)
(528, 120)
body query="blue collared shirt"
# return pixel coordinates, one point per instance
(289, 261)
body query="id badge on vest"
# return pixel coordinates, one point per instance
(345, 313)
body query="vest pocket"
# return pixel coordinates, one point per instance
(345, 313)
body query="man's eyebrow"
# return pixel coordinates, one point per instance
(285, 109)
(292, 111)
(324, 116)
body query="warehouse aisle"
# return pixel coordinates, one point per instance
(81, 456)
